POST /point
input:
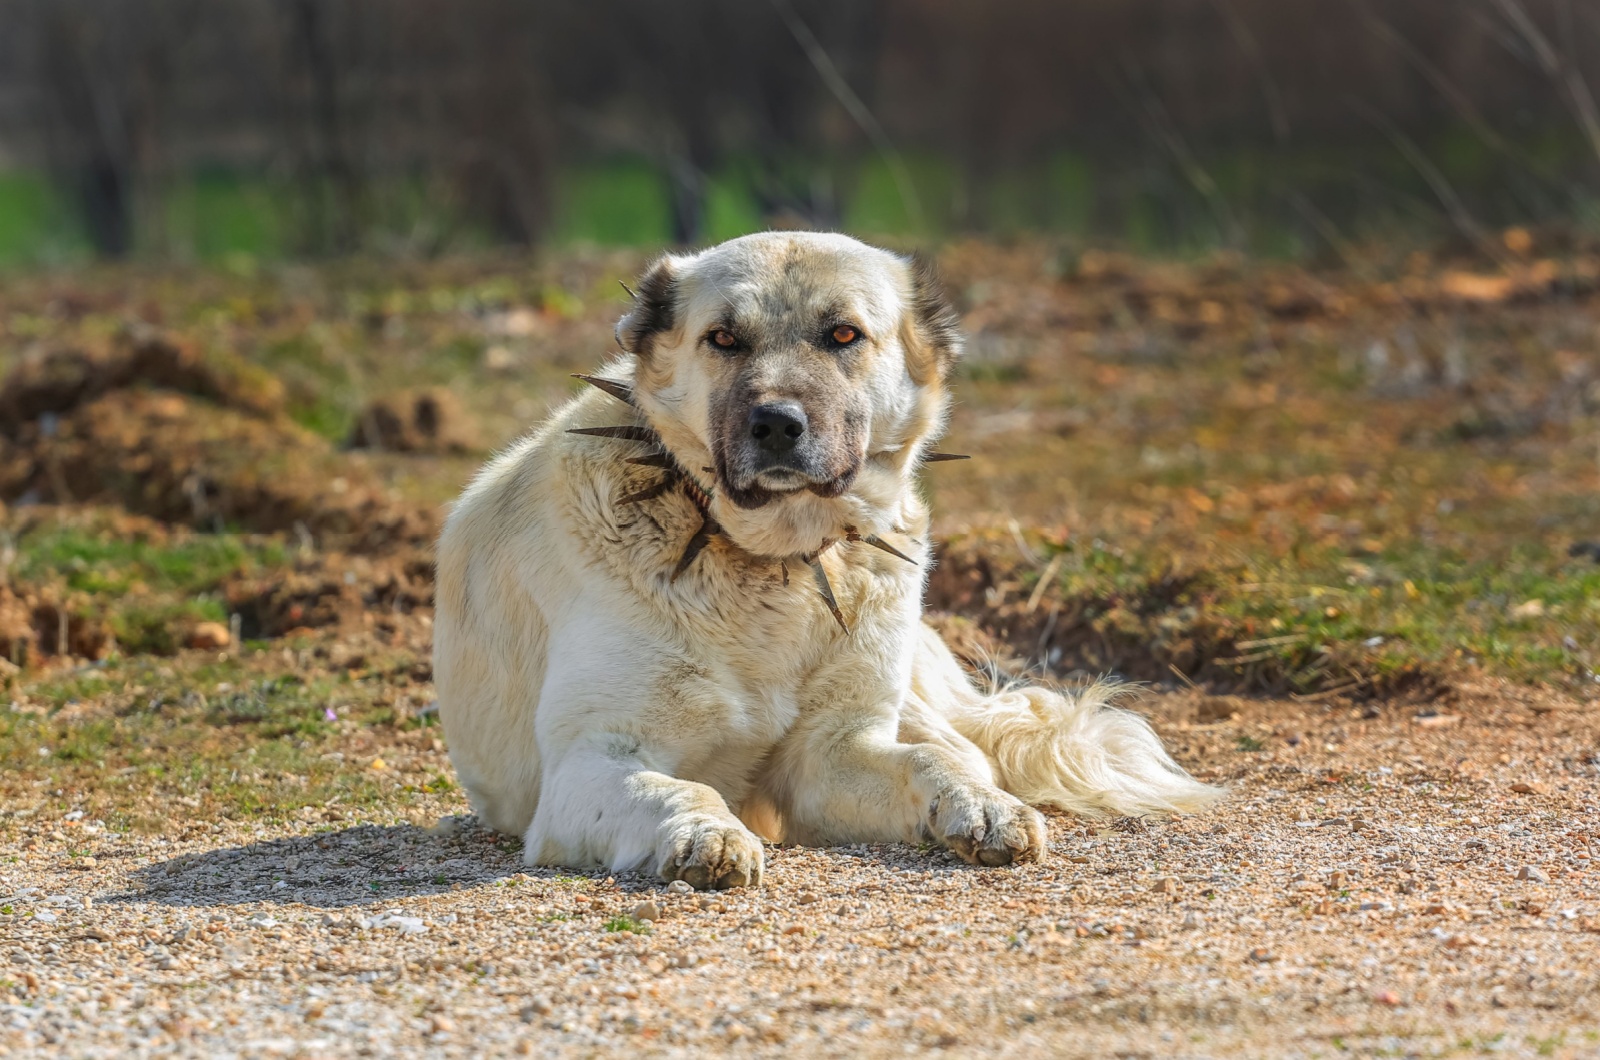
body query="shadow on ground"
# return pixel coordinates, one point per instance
(375, 864)
(363, 865)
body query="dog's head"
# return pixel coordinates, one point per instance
(803, 371)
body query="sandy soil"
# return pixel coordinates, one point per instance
(1385, 880)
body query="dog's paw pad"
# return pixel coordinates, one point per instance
(987, 827)
(711, 855)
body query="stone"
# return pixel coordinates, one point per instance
(209, 636)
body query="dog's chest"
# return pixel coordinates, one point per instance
(776, 647)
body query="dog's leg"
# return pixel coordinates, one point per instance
(605, 802)
(839, 783)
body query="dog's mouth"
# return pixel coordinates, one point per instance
(782, 480)
(775, 483)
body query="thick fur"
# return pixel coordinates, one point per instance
(612, 714)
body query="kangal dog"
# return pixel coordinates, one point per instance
(687, 612)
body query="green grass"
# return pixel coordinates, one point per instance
(321, 393)
(615, 204)
(36, 222)
(627, 923)
(95, 558)
(1322, 617)
(150, 591)
(253, 746)
(241, 219)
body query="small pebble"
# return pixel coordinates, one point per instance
(1533, 874)
(646, 911)
(209, 635)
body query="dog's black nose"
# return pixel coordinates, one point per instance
(778, 425)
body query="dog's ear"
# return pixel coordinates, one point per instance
(935, 341)
(654, 310)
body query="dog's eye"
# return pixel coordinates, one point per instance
(844, 334)
(723, 339)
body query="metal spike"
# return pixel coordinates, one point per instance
(877, 542)
(631, 293)
(702, 537)
(621, 391)
(627, 433)
(651, 492)
(784, 567)
(661, 460)
(821, 577)
(939, 458)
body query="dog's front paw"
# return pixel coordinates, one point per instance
(708, 853)
(987, 826)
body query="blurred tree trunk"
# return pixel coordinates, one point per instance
(332, 188)
(88, 140)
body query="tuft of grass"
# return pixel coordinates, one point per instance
(627, 923)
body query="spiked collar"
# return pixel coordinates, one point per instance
(676, 475)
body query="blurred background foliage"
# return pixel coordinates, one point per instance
(224, 130)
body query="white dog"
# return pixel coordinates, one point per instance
(687, 612)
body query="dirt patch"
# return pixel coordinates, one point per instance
(1372, 886)
(342, 592)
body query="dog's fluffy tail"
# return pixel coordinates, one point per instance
(1078, 752)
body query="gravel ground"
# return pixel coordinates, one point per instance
(1398, 880)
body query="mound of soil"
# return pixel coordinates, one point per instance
(35, 624)
(55, 383)
(428, 420)
(996, 619)
(336, 591)
(169, 436)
